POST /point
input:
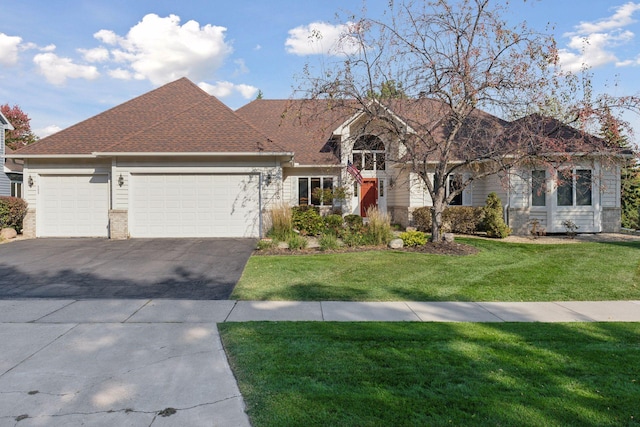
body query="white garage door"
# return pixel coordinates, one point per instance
(194, 205)
(73, 206)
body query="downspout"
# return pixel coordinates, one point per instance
(505, 212)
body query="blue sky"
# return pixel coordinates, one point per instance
(66, 60)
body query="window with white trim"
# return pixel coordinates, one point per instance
(369, 153)
(538, 188)
(575, 189)
(316, 191)
(455, 183)
(16, 189)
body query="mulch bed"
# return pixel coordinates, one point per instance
(457, 249)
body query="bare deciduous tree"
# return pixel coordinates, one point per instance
(452, 60)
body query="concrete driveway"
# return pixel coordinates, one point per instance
(125, 269)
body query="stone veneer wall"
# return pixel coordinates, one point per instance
(119, 224)
(611, 220)
(519, 221)
(29, 224)
(400, 215)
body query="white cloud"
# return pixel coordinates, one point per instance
(593, 43)
(241, 67)
(47, 130)
(57, 69)
(247, 91)
(621, 18)
(224, 89)
(121, 74)
(106, 36)
(320, 38)
(98, 54)
(9, 46)
(162, 50)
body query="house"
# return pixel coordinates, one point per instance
(176, 162)
(13, 170)
(5, 181)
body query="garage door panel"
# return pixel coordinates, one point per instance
(194, 205)
(73, 206)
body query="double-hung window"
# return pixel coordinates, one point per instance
(538, 188)
(575, 189)
(317, 191)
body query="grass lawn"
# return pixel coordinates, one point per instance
(499, 272)
(437, 374)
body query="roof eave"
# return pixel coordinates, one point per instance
(196, 153)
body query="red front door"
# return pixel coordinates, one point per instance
(368, 195)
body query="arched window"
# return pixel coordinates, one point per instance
(369, 153)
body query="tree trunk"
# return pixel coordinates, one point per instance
(436, 221)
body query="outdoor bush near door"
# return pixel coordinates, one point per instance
(462, 219)
(307, 220)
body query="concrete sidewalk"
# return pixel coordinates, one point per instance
(161, 362)
(209, 312)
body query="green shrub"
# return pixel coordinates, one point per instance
(493, 222)
(281, 222)
(353, 222)
(422, 218)
(353, 238)
(307, 220)
(378, 230)
(12, 212)
(328, 241)
(333, 224)
(413, 238)
(462, 219)
(264, 244)
(296, 241)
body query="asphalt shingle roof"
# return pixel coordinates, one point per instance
(176, 117)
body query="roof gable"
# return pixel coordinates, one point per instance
(176, 117)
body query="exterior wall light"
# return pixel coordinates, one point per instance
(267, 180)
(120, 181)
(30, 181)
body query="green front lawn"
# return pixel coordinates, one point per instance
(499, 272)
(437, 374)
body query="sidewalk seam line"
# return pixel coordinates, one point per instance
(39, 350)
(490, 312)
(53, 312)
(406, 303)
(136, 311)
(230, 311)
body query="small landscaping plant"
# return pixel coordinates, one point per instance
(413, 238)
(493, 222)
(296, 241)
(307, 220)
(378, 230)
(333, 224)
(353, 222)
(281, 222)
(570, 228)
(328, 242)
(422, 218)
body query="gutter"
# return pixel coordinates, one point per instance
(153, 154)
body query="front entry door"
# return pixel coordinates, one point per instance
(368, 195)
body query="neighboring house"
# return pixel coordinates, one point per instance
(176, 162)
(5, 182)
(13, 170)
